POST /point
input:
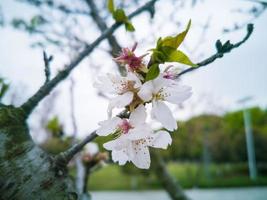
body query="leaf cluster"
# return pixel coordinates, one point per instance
(167, 51)
(119, 16)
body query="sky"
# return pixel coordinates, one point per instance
(216, 88)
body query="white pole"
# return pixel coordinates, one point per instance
(250, 145)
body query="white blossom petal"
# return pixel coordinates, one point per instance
(139, 132)
(111, 145)
(108, 126)
(177, 94)
(146, 91)
(119, 148)
(119, 156)
(138, 116)
(163, 114)
(160, 139)
(120, 102)
(116, 82)
(133, 77)
(104, 84)
(141, 156)
(159, 83)
(118, 144)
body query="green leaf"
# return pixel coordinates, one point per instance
(161, 55)
(158, 57)
(159, 43)
(180, 57)
(129, 26)
(111, 6)
(175, 41)
(119, 15)
(166, 49)
(153, 72)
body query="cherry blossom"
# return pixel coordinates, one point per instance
(159, 90)
(127, 57)
(134, 137)
(143, 84)
(123, 87)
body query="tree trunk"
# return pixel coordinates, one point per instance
(26, 171)
(168, 182)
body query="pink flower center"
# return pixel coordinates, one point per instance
(128, 57)
(169, 75)
(135, 62)
(125, 126)
(125, 86)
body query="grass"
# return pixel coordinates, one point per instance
(189, 175)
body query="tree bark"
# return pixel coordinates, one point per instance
(26, 171)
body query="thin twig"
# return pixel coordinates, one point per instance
(47, 60)
(32, 102)
(64, 157)
(220, 54)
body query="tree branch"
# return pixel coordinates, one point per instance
(169, 183)
(63, 158)
(32, 102)
(221, 50)
(115, 47)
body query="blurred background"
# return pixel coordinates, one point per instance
(221, 141)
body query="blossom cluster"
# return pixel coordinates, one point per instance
(132, 134)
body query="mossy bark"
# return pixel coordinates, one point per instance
(26, 171)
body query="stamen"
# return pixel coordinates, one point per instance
(125, 126)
